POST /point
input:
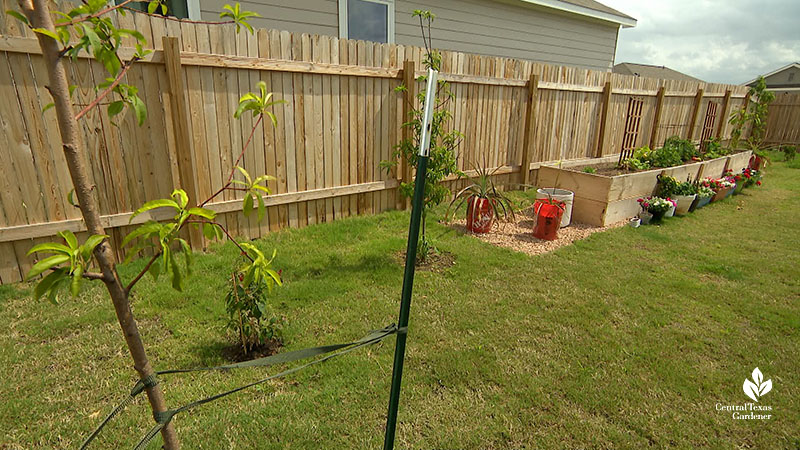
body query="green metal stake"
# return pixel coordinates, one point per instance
(411, 257)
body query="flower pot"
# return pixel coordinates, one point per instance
(756, 162)
(739, 187)
(635, 222)
(548, 218)
(480, 215)
(700, 202)
(657, 216)
(670, 212)
(722, 193)
(561, 195)
(684, 203)
(730, 190)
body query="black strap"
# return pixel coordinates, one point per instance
(162, 418)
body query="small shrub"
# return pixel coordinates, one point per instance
(789, 152)
(713, 149)
(684, 147)
(589, 169)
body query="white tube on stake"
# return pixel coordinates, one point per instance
(427, 115)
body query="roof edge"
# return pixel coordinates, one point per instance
(625, 22)
(794, 64)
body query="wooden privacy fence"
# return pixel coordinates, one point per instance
(342, 116)
(783, 120)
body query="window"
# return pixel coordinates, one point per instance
(368, 20)
(182, 9)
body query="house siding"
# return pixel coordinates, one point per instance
(782, 78)
(474, 26)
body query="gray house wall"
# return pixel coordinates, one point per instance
(475, 26)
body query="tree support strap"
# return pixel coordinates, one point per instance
(163, 418)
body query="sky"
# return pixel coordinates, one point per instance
(719, 41)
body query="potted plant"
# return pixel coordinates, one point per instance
(736, 178)
(484, 202)
(720, 186)
(684, 194)
(673, 204)
(751, 177)
(704, 195)
(656, 206)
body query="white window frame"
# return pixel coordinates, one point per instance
(343, 32)
(193, 6)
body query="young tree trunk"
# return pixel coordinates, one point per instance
(38, 14)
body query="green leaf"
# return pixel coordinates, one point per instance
(177, 278)
(115, 108)
(202, 212)
(260, 207)
(50, 247)
(247, 205)
(246, 175)
(153, 204)
(46, 264)
(48, 106)
(180, 196)
(139, 108)
(209, 232)
(155, 269)
(151, 7)
(46, 32)
(149, 228)
(19, 16)
(47, 282)
(75, 285)
(71, 198)
(93, 241)
(69, 236)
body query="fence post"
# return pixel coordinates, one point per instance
(180, 127)
(698, 100)
(409, 100)
(530, 129)
(657, 117)
(598, 151)
(724, 114)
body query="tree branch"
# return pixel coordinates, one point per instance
(141, 274)
(107, 91)
(224, 230)
(177, 19)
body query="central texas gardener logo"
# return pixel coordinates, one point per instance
(758, 387)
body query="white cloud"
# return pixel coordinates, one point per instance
(714, 40)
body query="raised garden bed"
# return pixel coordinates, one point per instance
(602, 200)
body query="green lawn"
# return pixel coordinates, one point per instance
(627, 339)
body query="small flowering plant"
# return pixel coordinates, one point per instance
(729, 175)
(704, 191)
(751, 177)
(655, 205)
(717, 184)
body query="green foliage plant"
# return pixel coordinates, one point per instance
(483, 187)
(589, 169)
(443, 160)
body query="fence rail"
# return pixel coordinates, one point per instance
(342, 116)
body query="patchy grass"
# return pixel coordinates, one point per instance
(626, 339)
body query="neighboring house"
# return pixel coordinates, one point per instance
(783, 80)
(568, 32)
(648, 71)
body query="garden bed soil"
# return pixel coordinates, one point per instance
(235, 352)
(519, 235)
(436, 262)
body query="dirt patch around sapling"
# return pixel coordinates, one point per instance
(235, 353)
(519, 235)
(438, 261)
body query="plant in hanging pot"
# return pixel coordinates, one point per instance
(656, 206)
(485, 203)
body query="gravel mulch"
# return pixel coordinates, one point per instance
(519, 236)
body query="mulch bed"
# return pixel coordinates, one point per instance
(519, 236)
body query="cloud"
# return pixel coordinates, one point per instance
(714, 40)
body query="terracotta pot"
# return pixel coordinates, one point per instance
(722, 193)
(480, 215)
